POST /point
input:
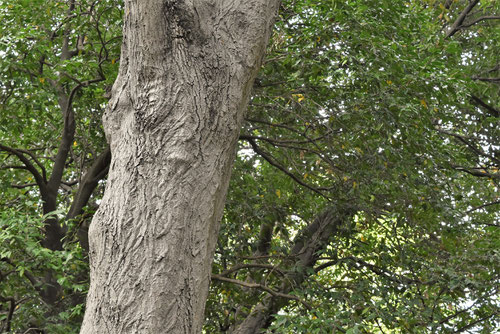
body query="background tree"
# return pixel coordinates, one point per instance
(364, 196)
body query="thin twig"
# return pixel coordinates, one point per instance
(261, 287)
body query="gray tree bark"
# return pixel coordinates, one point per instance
(187, 67)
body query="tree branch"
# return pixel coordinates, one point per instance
(459, 21)
(10, 313)
(23, 186)
(33, 280)
(35, 159)
(302, 257)
(472, 324)
(477, 171)
(261, 287)
(40, 180)
(90, 180)
(272, 162)
(472, 147)
(483, 206)
(479, 19)
(67, 135)
(251, 265)
(486, 79)
(494, 112)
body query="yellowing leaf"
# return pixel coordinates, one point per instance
(278, 193)
(389, 82)
(422, 102)
(305, 176)
(113, 61)
(42, 80)
(346, 178)
(74, 144)
(354, 184)
(299, 97)
(363, 238)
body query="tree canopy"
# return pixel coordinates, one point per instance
(365, 192)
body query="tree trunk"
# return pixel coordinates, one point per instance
(186, 71)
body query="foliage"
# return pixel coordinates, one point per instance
(377, 119)
(58, 60)
(24, 262)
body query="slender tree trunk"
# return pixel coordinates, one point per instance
(186, 71)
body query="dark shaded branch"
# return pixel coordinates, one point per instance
(479, 19)
(35, 159)
(389, 275)
(273, 163)
(474, 323)
(281, 141)
(251, 265)
(23, 186)
(10, 313)
(39, 179)
(33, 280)
(265, 238)
(478, 172)
(494, 112)
(471, 146)
(461, 18)
(325, 265)
(67, 135)
(65, 53)
(90, 180)
(283, 126)
(261, 287)
(13, 167)
(483, 206)
(261, 252)
(485, 79)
